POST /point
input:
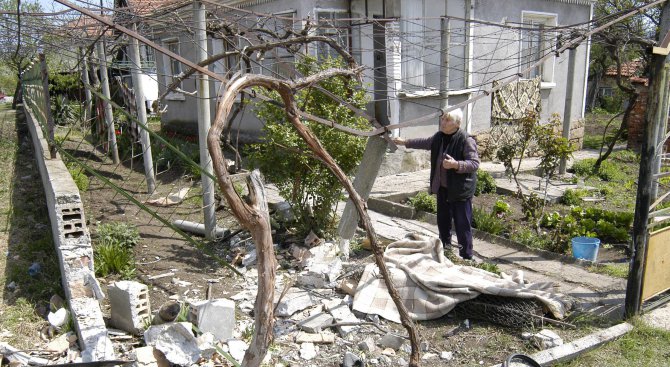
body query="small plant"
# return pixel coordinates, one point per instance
(118, 233)
(573, 197)
(501, 208)
(424, 202)
(114, 259)
(485, 183)
(487, 222)
(531, 205)
(80, 179)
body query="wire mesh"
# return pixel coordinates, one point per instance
(506, 311)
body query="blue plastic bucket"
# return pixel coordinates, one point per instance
(585, 248)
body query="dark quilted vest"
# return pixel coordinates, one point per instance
(460, 186)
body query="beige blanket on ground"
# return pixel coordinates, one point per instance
(431, 285)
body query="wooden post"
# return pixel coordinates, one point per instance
(658, 86)
(47, 107)
(140, 102)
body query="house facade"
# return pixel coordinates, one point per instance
(402, 44)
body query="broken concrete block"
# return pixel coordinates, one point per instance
(320, 338)
(341, 313)
(429, 356)
(249, 259)
(348, 286)
(447, 356)
(351, 360)
(60, 344)
(154, 331)
(312, 240)
(92, 331)
(546, 339)
(215, 316)
(207, 345)
(300, 253)
(129, 303)
(321, 274)
(367, 345)
(315, 323)
(150, 357)
(294, 300)
(392, 341)
(178, 344)
(307, 351)
(237, 348)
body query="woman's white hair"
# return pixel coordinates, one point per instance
(456, 115)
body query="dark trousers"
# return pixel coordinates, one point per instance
(461, 213)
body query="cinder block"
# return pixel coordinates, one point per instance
(130, 305)
(215, 316)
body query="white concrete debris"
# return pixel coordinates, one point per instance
(320, 338)
(59, 344)
(237, 348)
(367, 345)
(92, 332)
(207, 345)
(178, 344)
(249, 259)
(150, 357)
(215, 316)
(307, 351)
(342, 314)
(546, 339)
(315, 323)
(392, 341)
(129, 302)
(321, 274)
(447, 356)
(294, 300)
(58, 318)
(429, 356)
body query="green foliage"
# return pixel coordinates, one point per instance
(528, 237)
(551, 146)
(118, 233)
(64, 85)
(485, 183)
(608, 171)
(113, 249)
(573, 197)
(166, 157)
(612, 104)
(501, 208)
(531, 206)
(286, 160)
(112, 259)
(608, 226)
(424, 202)
(78, 175)
(487, 222)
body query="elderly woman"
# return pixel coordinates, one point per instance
(453, 177)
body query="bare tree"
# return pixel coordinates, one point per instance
(252, 216)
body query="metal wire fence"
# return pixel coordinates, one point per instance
(117, 192)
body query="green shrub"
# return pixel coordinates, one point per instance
(118, 233)
(485, 183)
(487, 222)
(285, 159)
(113, 249)
(573, 197)
(114, 259)
(584, 167)
(528, 237)
(424, 202)
(79, 176)
(608, 170)
(501, 208)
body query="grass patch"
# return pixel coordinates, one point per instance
(643, 346)
(613, 270)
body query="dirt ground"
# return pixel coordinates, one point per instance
(176, 270)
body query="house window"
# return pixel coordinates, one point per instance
(279, 62)
(606, 92)
(537, 40)
(422, 51)
(330, 25)
(173, 66)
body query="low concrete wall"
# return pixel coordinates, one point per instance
(73, 246)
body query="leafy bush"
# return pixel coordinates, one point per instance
(608, 226)
(501, 208)
(425, 202)
(114, 249)
(114, 259)
(286, 160)
(118, 233)
(487, 222)
(485, 183)
(528, 237)
(573, 197)
(166, 157)
(584, 167)
(608, 171)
